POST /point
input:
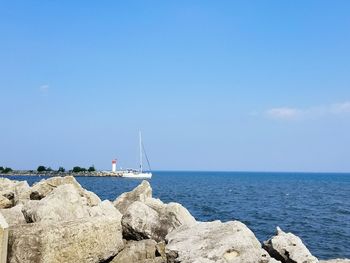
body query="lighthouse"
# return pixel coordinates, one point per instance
(114, 165)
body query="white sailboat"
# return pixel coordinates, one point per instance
(139, 174)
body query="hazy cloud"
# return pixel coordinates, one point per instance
(288, 113)
(44, 88)
(284, 113)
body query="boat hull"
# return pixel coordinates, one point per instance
(137, 175)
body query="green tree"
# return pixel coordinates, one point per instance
(7, 170)
(77, 169)
(92, 169)
(41, 168)
(61, 169)
(1, 169)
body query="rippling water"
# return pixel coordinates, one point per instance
(316, 207)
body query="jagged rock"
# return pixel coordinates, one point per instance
(146, 217)
(338, 260)
(16, 191)
(144, 251)
(141, 193)
(140, 221)
(44, 187)
(230, 242)
(93, 239)
(14, 215)
(105, 208)
(5, 203)
(62, 204)
(288, 248)
(21, 192)
(173, 215)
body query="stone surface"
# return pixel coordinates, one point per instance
(16, 191)
(140, 252)
(338, 260)
(141, 221)
(3, 239)
(105, 208)
(62, 204)
(93, 239)
(5, 203)
(210, 242)
(14, 215)
(44, 187)
(141, 193)
(288, 248)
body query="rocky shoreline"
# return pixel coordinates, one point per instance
(57, 220)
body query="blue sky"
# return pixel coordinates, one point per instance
(213, 85)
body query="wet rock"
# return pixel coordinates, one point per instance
(288, 248)
(93, 239)
(210, 242)
(144, 251)
(141, 193)
(44, 187)
(14, 215)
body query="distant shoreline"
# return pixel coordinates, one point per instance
(56, 173)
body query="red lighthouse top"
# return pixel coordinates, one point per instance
(114, 161)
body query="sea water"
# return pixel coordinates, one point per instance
(314, 206)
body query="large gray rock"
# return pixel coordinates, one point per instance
(144, 251)
(288, 248)
(210, 242)
(14, 215)
(63, 203)
(141, 193)
(16, 191)
(140, 221)
(5, 202)
(146, 217)
(93, 239)
(105, 208)
(338, 260)
(44, 187)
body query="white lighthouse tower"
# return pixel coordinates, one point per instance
(114, 165)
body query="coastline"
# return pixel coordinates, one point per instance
(134, 225)
(62, 174)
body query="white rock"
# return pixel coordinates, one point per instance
(93, 239)
(14, 215)
(210, 242)
(19, 189)
(5, 203)
(139, 252)
(62, 204)
(105, 208)
(44, 187)
(141, 193)
(287, 247)
(338, 260)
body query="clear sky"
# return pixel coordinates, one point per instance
(213, 85)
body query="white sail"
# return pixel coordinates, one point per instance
(138, 174)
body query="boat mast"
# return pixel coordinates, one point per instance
(140, 142)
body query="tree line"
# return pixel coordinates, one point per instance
(42, 168)
(76, 169)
